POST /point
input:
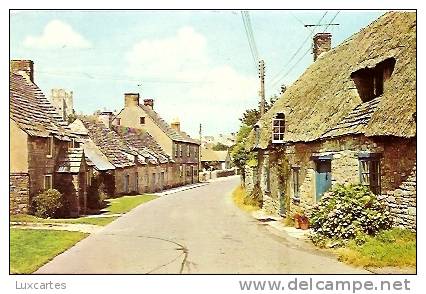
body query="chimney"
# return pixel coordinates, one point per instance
(131, 99)
(25, 67)
(322, 43)
(149, 103)
(106, 118)
(175, 124)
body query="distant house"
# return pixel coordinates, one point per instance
(350, 118)
(63, 102)
(181, 148)
(215, 160)
(41, 147)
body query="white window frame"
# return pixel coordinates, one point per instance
(188, 150)
(278, 127)
(46, 177)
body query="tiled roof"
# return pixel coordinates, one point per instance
(70, 161)
(33, 113)
(356, 121)
(143, 143)
(95, 155)
(114, 147)
(166, 128)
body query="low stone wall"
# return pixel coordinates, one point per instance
(19, 193)
(403, 202)
(249, 181)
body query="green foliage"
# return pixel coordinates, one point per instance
(349, 212)
(220, 147)
(95, 194)
(394, 247)
(48, 203)
(239, 153)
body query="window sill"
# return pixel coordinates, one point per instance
(49, 156)
(295, 199)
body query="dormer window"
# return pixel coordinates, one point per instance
(370, 81)
(278, 128)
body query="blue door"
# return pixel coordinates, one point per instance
(323, 177)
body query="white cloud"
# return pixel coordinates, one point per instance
(57, 34)
(218, 93)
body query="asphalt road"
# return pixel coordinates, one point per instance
(192, 232)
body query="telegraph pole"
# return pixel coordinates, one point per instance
(262, 87)
(199, 155)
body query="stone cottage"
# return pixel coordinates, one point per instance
(350, 118)
(180, 148)
(40, 146)
(215, 160)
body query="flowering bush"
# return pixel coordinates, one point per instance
(349, 212)
(48, 203)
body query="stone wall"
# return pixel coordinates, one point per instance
(249, 178)
(19, 193)
(398, 173)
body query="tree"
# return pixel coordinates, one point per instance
(240, 155)
(220, 147)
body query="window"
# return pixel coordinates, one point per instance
(118, 120)
(180, 150)
(142, 120)
(195, 172)
(88, 178)
(181, 171)
(49, 146)
(188, 172)
(295, 174)
(188, 150)
(48, 183)
(278, 128)
(176, 150)
(370, 81)
(369, 171)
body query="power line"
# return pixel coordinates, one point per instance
(308, 37)
(250, 38)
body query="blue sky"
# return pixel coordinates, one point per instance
(197, 65)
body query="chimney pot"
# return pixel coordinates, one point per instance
(175, 124)
(131, 99)
(23, 66)
(149, 103)
(322, 43)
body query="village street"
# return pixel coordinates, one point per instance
(192, 232)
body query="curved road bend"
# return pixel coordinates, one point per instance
(193, 231)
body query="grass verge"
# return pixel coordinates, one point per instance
(127, 203)
(395, 247)
(115, 206)
(30, 249)
(240, 198)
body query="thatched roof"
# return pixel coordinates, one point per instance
(324, 101)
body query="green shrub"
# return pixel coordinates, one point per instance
(349, 212)
(48, 203)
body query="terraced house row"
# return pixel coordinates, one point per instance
(131, 153)
(350, 118)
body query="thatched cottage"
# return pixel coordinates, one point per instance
(350, 118)
(44, 154)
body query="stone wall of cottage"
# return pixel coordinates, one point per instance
(40, 163)
(249, 178)
(19, 193)
(398, 174)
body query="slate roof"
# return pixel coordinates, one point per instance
(324, 100)
(33, 113)
(173, 134)
(111, 145)
(143, 143)
(70, 161)
(95, 155)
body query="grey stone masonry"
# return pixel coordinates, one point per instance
(19, 193)
(403, 202)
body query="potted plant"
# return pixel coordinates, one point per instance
(304, 222)
(296, 218)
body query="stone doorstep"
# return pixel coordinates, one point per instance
(291, 231)
(263, 216)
